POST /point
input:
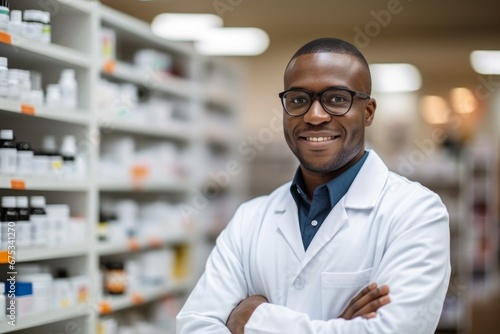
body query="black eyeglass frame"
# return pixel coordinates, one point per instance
(319, 95)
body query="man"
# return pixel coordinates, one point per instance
(292, 261)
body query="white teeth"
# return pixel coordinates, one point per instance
(318, 138)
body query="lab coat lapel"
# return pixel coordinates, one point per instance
(287, 221)
(368, 184)
(333, 223)
(363, 194)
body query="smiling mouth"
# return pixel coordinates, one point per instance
(316, 139)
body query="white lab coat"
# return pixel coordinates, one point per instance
(386, 229)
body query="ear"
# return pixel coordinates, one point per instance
(370, 111)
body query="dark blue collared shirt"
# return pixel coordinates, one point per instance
(325, 197)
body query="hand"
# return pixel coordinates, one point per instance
(367, 302)
(242, 313)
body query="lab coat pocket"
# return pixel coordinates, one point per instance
(339, 288)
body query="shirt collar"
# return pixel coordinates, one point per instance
(336, 187)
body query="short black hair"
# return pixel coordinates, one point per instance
(331, 45)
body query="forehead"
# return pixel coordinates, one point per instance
(320, 70)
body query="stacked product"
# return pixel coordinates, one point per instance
(20, 159)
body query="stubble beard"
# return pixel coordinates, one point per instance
(329, 166)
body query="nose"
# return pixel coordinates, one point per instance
(316, 114)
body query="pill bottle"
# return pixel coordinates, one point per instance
(8, 152)
(115, 278)
(4, 77)
(49, 145)
(69, 89)
(24, 159)
(59, 216)
(16, 24)
(36, 97)
(62, 293)
(41, 164)
(24, 85)
(102, 228)
(8, 218)
(15, 76)
(39, 221)
(53, 97)
(108, 44)
(46, 28)
(34, 22)
(68, 152)
(4, 14)
(23, 231)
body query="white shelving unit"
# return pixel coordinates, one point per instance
(445, 174)
(32, 321)
(34, 183)
(482, 219)
(52, 51)
(146, 186)
(27, 110)
(117, 303)
(75, 44)
(175, 131)
(470, 193)
(125, 72)
(134, 245)
(42, 254)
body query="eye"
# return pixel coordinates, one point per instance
(336, 98)
(299, 100)
(296, 98)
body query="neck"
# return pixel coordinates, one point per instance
(314, 179)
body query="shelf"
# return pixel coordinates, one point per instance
(146, 186)
(136, 245)
(10, 107)
(169, 84)
(78, 5)
(56, 7)
(44, 318)
(22, 183)
(133, 31)
(11, 44)
(178, 131)
(116, 303)
(149, 186)
(46, 253)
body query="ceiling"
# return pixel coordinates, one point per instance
(436, 36)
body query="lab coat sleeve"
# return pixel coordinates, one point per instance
(415, 265)
(221, 287)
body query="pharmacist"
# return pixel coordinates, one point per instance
(292, 261)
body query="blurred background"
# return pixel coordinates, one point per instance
(166, 126)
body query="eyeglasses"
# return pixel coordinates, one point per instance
(335, 101)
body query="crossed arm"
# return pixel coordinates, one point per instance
(365, 305)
